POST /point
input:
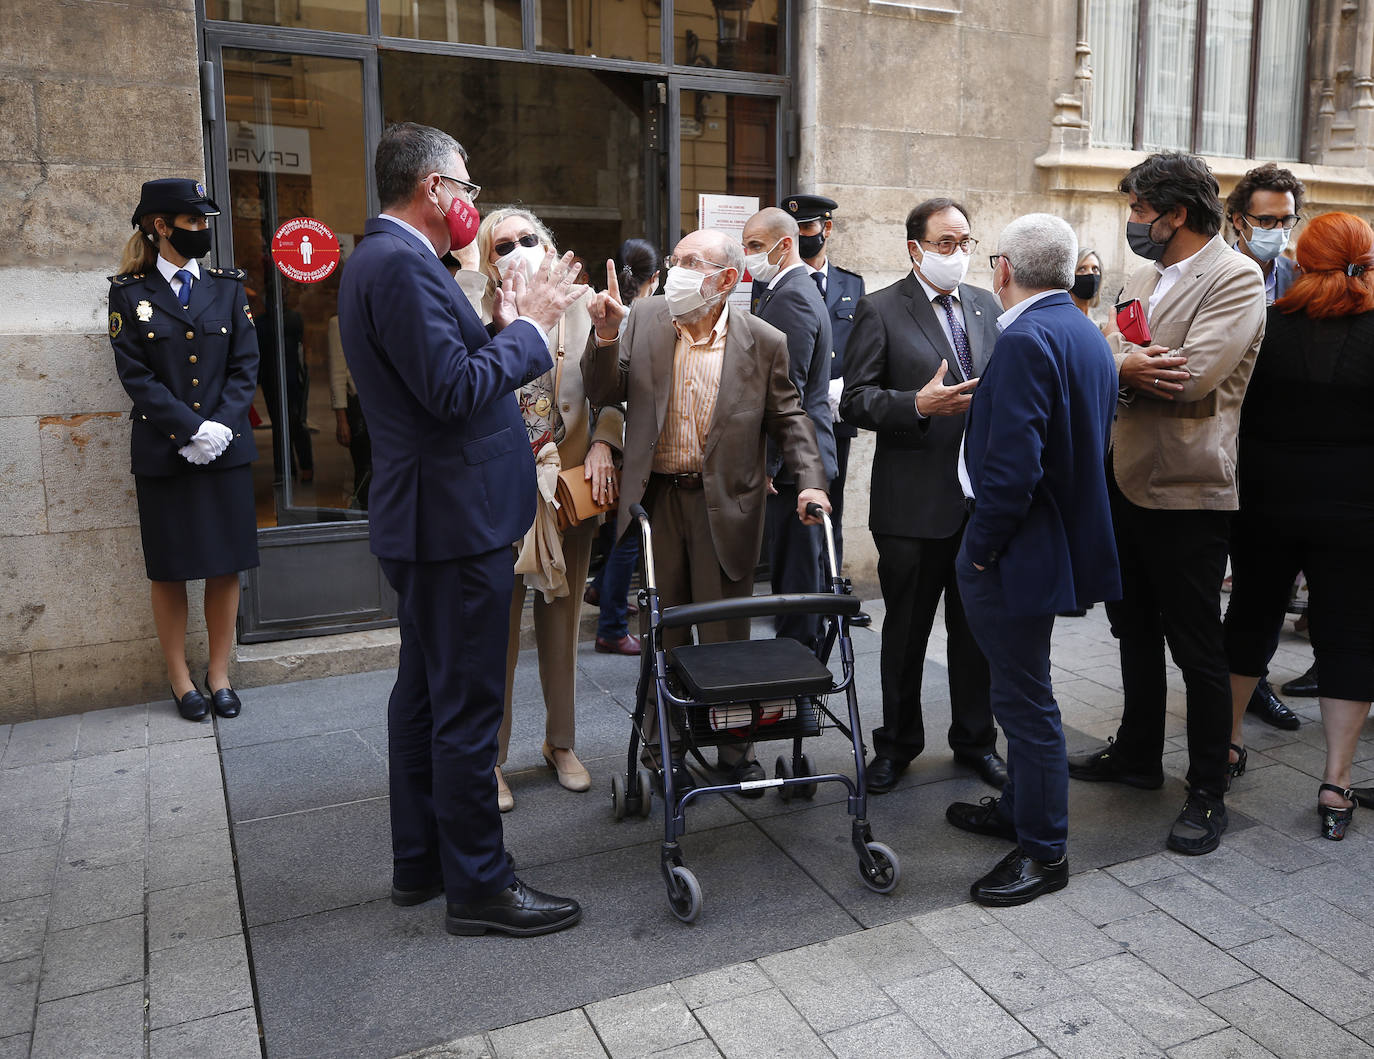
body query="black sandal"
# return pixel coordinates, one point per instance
(1235, 769)
(1335, 819)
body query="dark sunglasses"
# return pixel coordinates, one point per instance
(504, 248)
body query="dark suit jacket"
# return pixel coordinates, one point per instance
(184, 366)
(756, 400)
(1035, 449)
(896, 347)
(843, 290)
(794, 306)
(452, 472)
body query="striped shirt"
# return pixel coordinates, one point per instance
(692, 400)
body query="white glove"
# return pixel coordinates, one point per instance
(193, 454)
(836, 389)
(212, 439)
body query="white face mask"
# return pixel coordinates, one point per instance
(759, 266)
(944, 271)
(682, 289)
(527, 257)
(1267, 243)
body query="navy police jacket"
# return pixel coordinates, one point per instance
(184, 366)
(452, 471)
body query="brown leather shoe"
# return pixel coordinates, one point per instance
(626, 645)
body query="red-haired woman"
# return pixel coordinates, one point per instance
(1307, 495)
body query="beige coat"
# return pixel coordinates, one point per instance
(1181, 454)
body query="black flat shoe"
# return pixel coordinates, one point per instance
(1101, 766)
(982, 819)
(862, 620)
(1235, 769)
(990, 768)
(226, 702)
(750, 772)
(403, 898)
(519, 910)
(1199, 826)
(1018, 879)
(192, 706)
(883, 773)
(1270, 709)
(1303, 687)
(1335, 819)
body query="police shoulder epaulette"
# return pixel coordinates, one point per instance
(229, 273)
(124, 277)
(846, 271)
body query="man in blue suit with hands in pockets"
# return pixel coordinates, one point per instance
(1039, 539)
(453, 486)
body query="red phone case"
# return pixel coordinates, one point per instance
(1130, 321)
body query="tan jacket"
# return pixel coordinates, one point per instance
(756, 400)
(584, 425)
(1181, 454)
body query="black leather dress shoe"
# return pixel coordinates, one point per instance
(403, 898)
(1102, 767)
(519, 909)
(982, 819)
(883, 774)
(1270, 709)
(1303, 687)
(226, 702)
(192, 706)
(1018, 879)
(750, 772)
(862, 620)
(990, 767)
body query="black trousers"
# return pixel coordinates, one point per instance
(442, 723)
(913, 572)
(794, 557)
(837, 494)
(1172, 563)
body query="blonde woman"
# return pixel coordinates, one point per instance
(564, 432)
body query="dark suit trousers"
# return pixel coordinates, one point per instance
(837, 494)
(794, 558)
(1172, 563)
(1036, 797)
(442, 723)
(913, 572)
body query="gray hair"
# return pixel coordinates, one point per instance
(1042, 251)
(406, 154)
(729, 253)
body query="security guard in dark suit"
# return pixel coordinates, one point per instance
(841, 290)
(186, 351)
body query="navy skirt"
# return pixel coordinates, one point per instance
(197, 525)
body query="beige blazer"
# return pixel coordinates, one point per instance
(757, 400)
(1181, 454)
(584, 424)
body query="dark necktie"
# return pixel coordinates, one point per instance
(956, 329)
(184, 295)
(819, 277)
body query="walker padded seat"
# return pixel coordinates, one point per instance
(749, 670)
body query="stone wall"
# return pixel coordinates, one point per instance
(94, 99)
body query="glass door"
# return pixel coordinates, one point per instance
(291, 144)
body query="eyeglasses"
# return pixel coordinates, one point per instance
(1269, 223)
(529, 239)
(993, 259)
(945, 247)
(692, 261)
(472, 190)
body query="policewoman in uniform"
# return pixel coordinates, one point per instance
(187, 354)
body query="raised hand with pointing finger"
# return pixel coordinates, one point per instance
(606, 308)
(937, 399)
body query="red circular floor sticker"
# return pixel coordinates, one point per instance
(305, 250)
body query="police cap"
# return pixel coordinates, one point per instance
(174, 195)
(803, 208)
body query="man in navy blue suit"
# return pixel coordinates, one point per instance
(453, 486)
(1039, 540)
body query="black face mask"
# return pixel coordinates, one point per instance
(190, 244)
(810, 246)
(1085, 286)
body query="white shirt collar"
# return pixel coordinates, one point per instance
(931, 292)
(1178, 268)
(169, 270)
(824, 270)
(1009, 317)
(411, 229)
(782, 272)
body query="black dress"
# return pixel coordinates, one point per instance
(182, 366)
(1307, 499)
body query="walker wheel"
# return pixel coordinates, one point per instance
(886, 872)
(646, 793)
(782, 769)
(808, 791)
(684, 894)
(619, 802)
